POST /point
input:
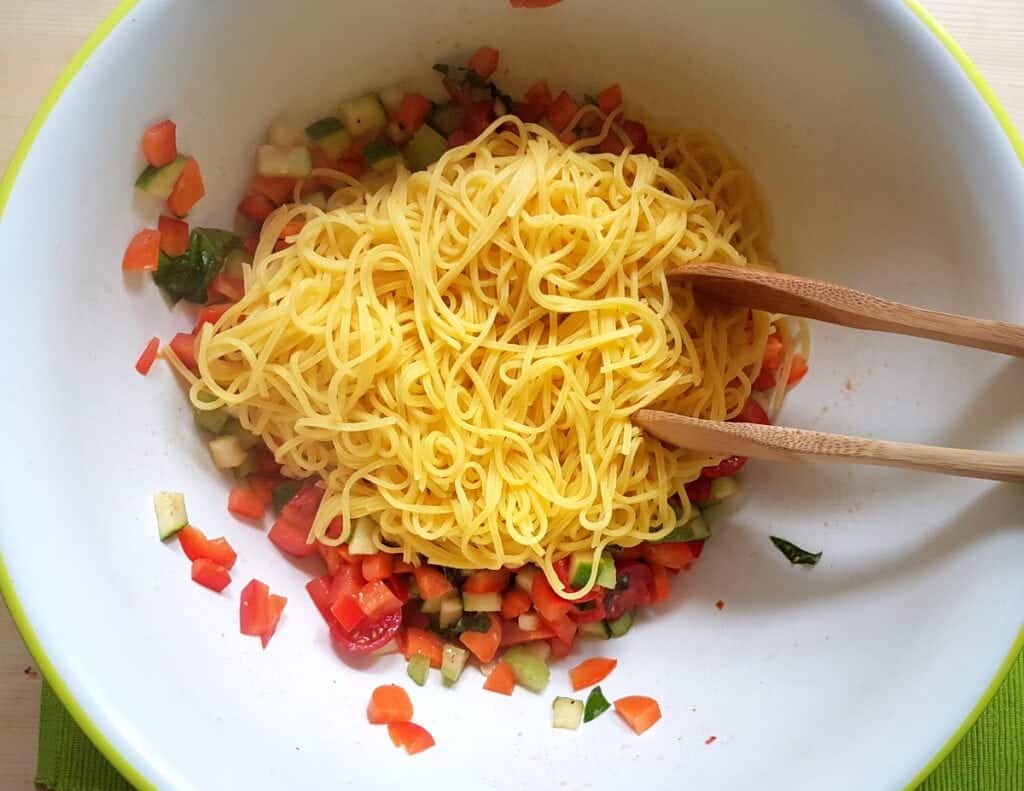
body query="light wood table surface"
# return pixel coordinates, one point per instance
(38, 37)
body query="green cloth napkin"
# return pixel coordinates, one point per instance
(990, 758)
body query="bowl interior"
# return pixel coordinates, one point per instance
(884, 170)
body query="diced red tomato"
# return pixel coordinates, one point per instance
(210, 575)
(592, 611)
(377, 600)
(256, 207)
(612, 144)
(411, 737)
(564, 628)
(196, 545)
(773, 352)
(254, 609)
(302, 508)
(637, 578)
(696, 547)
(319, 590)
(355, 168)
(764, 381)
(275, 606)
(431, 582)
(188, 189)
(143, 252)
(484, 645)
(145, 361)
(752, 413)
(659, 583)
(671, 554)
(511, 634)
(184, 346)
(562, 110)
(530, 113)
(610, 99)
(549, 604)
(534, 3)
(159, 144)
(636, 132)
(244, 502)
(539, 94)
(484, 61)
(290, 538)
(377, 567)
(478, 117)
(398, 586)
(699, 491)
(277, 189)
(369, 635)
(412, 111)
(725, 469)
(348, 612)
(560, 650)
(227, 286)
(515, 603)
(458, 138)
(797, 371)
(486, 581)
(173, 235)
(209, 314)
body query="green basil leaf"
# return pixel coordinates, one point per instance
(187, 276)
(794, 554)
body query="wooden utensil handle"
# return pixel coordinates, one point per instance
(815, 299)
(778, 443)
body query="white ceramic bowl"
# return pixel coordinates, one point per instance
(886, 170)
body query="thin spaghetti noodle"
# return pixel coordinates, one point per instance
(456, 353)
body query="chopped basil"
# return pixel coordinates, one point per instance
(596, 705)
(187, 276)
(469, 622)
(795, 554)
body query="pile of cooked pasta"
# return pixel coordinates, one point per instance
(456, 352)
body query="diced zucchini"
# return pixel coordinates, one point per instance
(159, 182)
(285, 135)
(211, 420)
(451, 610)
(324, 127)
(446, 118)
(425, 148)
(391, 98)
(529, 621)
(580, 566)
(481, 602)
(453, 662)
(596, 705)
(295, 161)
(530, 671)
(170, 513)
(567, 713)
(539, 648)
(390, 647)
(606, 576)
(382, 156)
(246, 468)
(363, 115)
(245, 437)
(597, 629)
(361, 541)
(694, 530)
(723, 488)
(419, 668)
(283, 493)
(227, 452)
(620, 625)
(331, 135)
(432, 606)
(524, 578)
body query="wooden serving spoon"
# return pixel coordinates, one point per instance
(778, 443)
(816, 299)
